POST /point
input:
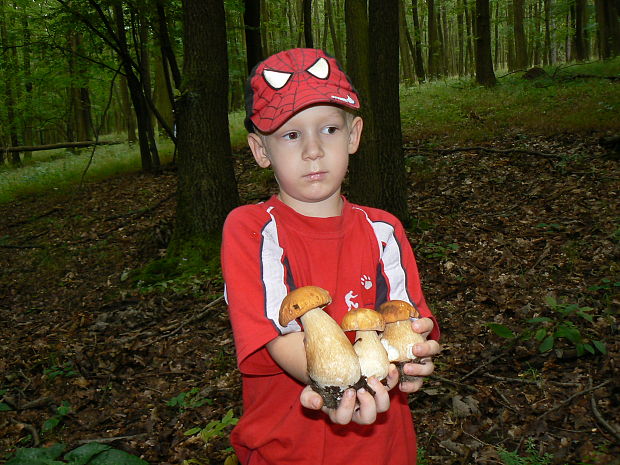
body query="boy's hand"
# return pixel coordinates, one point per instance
(355, 406)
(424, 351)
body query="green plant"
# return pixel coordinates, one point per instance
(438, 250)
(189, 399)
(546, 331)
(4, 407)
(214, 428)
(422, 459)
(61, 412)
(66, 370)
(88, 454)
(532, 456)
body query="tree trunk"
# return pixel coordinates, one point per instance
(433, 44)
(405, 50)
(207, 188)
(519, 34)
(79, 96)
(251, 20)
(484, 64)
(148, 150)
(307, 7)
(9, 63)
(128, 114)
(417, 34)
(28, 129)
(384, 90)
(329, 11)
(608, 28)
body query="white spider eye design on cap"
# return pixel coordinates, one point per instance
(320, 68)
(276, 79)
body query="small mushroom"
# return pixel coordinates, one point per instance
(398, 337)
(371, 353)
(333, 365)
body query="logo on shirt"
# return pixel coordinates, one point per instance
(348, 299)
(366, 281)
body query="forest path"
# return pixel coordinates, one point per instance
(494, 234)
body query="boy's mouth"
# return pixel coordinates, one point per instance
(316, 175)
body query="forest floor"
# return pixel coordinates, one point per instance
(495, 233)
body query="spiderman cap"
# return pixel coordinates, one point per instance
(290, 81)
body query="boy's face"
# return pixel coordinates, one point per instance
(309, 154)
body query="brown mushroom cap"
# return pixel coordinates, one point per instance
(302, 299)
(397, 310)
(362, 319)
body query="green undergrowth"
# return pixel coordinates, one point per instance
(62, 170)
(454, 111)
(189, 268)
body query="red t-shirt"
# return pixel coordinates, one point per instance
(362, 258)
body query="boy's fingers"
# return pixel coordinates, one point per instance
(418, 369)
(423, 325)
(311, 399)
(382, 396)
(426, 349)
(411, 386)
(343, 414)
(366, 412)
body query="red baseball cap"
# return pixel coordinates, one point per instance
(291, 81)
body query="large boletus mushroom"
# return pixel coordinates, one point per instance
(333, 365)
(371, 353)
(398, 337)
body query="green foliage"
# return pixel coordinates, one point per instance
(532, 456)
(187, 269)
(437, 250)
(67, 370)
(62, 170)
(88, 454)
(3, 406)
(188, 400)
(61, 412)
(214, 428)
(562, 325)
(422, 460)
(458, 111)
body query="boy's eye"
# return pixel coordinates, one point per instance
(291, 136)
(330, 130)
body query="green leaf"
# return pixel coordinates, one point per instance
(501, 330)
(4, 407)
(116, 457)
(540, 334)
(82, 454)
(191, 432)
(602, 348)
(546, 345)
(570, 333)
(589, 348)
(37, 456)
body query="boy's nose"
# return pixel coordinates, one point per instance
(312, 149)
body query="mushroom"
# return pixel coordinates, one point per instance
(371, 353)
(398, 337)
(333, 365)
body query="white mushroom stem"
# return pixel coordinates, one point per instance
(372, 355)
(329, 353)
(398, 339)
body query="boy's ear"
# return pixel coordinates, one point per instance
(355, 134)
(259, 150)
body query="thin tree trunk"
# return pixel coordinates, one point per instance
(251, 20)
(417, 34)
(11, 71)
(484, 65)
(329, 11)
(404, 45)
(307, 7)
(433, 44)
(519, 34)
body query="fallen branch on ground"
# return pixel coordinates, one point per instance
(480, 148)
(60, 145)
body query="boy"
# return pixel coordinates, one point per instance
(300, 124)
